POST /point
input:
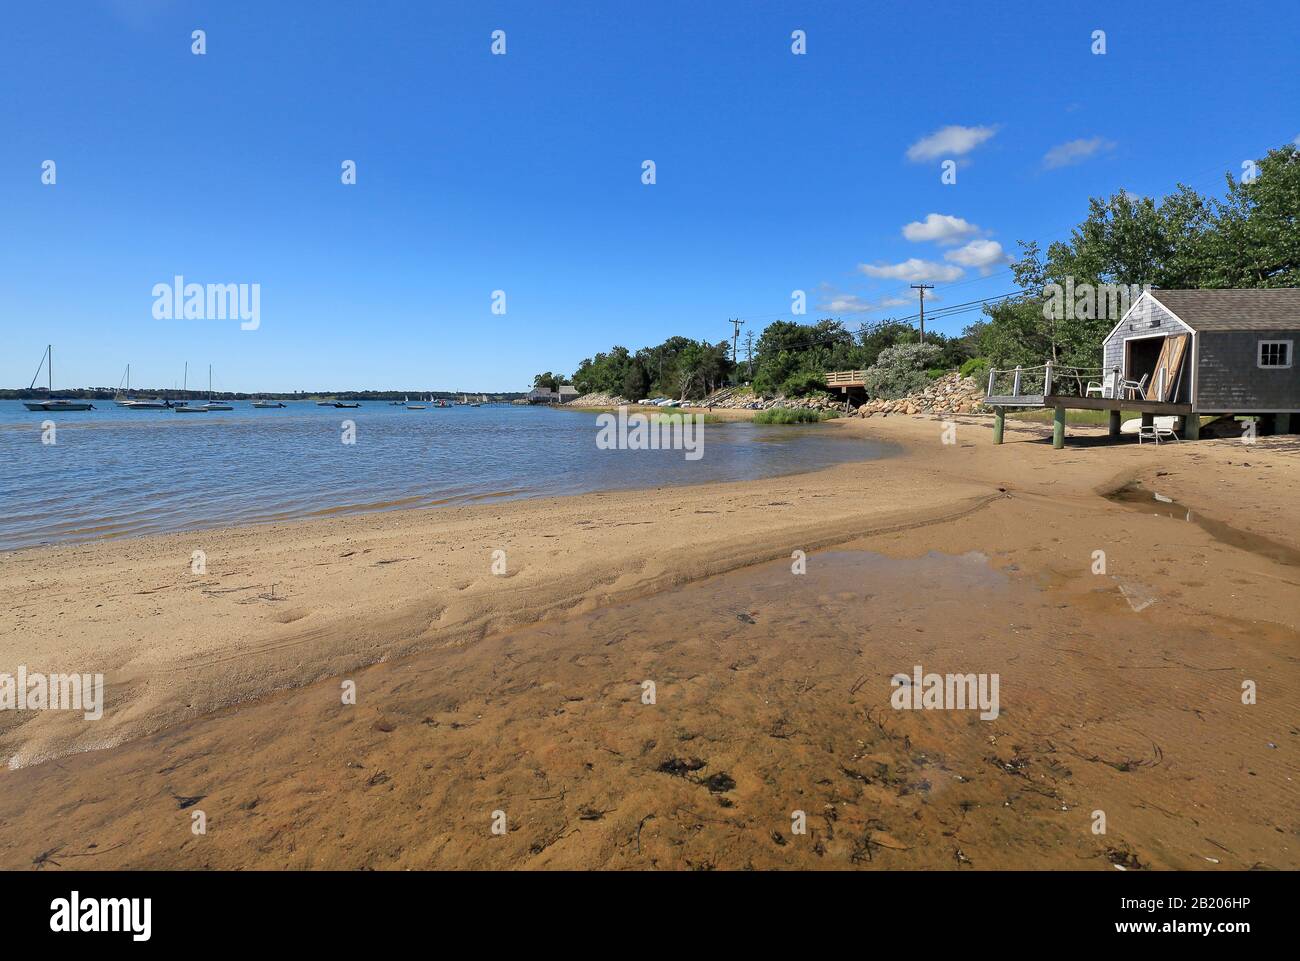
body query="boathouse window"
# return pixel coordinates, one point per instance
(1275, 353)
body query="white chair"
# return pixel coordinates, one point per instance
(1134, 387)
(1155, 432)
(1104, 389)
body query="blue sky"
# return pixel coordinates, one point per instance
(522, 172)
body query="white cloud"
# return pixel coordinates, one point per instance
(837, 303)
(912, 270)
(943, 228)
(1075, 151)
(984, 254)
(950, 141)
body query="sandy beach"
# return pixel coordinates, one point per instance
(513, 682)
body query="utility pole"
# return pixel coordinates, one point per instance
(735, 337)
(923, 288)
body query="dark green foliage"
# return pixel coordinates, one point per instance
(1250, 238)
(679, 367)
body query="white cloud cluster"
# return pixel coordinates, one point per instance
(981, 254)
(914, 270)
(950, 141)
(940, 228)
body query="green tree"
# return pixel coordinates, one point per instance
(1250, 238)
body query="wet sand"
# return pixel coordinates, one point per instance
(1120, 691)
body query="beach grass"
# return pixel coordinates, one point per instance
(793, 415)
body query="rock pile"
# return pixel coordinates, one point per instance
(950, 394)
(742, 398)
(597, 400)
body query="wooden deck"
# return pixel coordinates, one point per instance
(1059, 404)
(1088, 403)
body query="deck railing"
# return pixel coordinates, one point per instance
(846, 378)
(1054, 379)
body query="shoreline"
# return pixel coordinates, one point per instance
(284, 608)
(96, 530)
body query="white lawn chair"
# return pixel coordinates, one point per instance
(1157, 431)
(1134, 387)
(1104, 389)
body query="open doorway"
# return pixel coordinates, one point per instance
(1141, 354)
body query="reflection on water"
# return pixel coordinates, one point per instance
(115, 472)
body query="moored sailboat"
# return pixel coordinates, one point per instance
(52, 403)
(130, 403)
(211, 404)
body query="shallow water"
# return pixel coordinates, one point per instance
(1139, 498)
(694, 727)
(114, 472)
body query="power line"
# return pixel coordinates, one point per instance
(873, 326)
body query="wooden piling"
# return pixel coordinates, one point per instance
(1058, 427)
(999, 419)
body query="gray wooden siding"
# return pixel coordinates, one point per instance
(1156, 320)
(1229, 380)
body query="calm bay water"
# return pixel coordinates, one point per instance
(115, 472)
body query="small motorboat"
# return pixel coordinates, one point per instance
(347, 405)
(264, 404)
(154, 404)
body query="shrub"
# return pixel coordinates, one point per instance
(804, 382)
(977, 367)
(900, 370)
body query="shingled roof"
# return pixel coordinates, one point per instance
(1275, 308)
